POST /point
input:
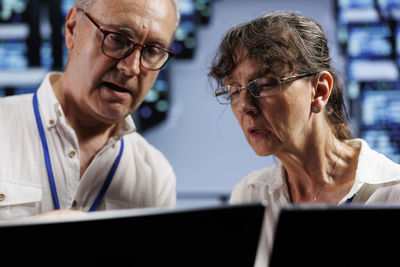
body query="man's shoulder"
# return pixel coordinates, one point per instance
(15, 100)
(12, 106)
(147, 157)
(142, 147)
(137, 140)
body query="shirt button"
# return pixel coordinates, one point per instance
(74, 204)
(51, 122)
(2, 197)
(71, 154)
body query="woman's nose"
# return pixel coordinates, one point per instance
(247, 103)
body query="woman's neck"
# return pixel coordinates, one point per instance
(319, 169)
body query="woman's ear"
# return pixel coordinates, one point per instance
(70, 27)
(322, 90)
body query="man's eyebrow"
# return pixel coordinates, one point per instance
(124, 30)
(131, 34)
(119, 28)
(157, 42)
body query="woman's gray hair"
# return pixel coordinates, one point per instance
(87, 4)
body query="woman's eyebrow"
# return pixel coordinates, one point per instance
(227, 79)
(259, 74)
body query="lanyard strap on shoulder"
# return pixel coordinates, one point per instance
(49, 168)
(107, 182)
(45, 152)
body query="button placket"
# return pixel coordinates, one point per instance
(72, 154)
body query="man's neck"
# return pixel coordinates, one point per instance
(92, 135)
(85, 127)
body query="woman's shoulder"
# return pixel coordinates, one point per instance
(256, 181)
(375, 167)
(263, 175)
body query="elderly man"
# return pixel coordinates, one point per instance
(72, 145)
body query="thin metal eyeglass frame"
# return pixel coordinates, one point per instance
(289, 79)
(131, 49)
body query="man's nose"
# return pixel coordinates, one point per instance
(130, 65)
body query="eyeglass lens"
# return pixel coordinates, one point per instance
(118, 46)
(265, 86)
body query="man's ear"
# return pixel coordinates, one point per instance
(70, 27)
(322, 90)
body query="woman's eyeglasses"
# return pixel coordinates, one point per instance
(262, 87)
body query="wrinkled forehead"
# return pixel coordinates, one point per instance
(244, 71)
(143, 18)
(243, 63)
(268, 61)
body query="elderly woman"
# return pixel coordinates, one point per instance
(275, 73)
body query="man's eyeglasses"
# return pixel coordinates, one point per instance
(118, 46)
(262, 87)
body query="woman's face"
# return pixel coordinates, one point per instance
(272, 124)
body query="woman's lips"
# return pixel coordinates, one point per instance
(257, 133)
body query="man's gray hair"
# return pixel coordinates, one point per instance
(86, 4)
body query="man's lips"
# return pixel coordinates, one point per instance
(116, 87)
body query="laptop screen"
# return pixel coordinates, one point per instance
(337, 236)
(208, 236)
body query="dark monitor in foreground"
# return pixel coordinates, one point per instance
(352, 236)
(214, 236)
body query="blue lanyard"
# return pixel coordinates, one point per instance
(349, 200)
(49, 168)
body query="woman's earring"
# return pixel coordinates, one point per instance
(315, 109)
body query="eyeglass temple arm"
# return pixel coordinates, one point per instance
(219, 93)
(297, 76)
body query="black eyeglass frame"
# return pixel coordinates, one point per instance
(130, 50)
(287, 80)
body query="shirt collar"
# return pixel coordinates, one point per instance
(52, 113)
(273, 181)
(50, 109)
(373, 168)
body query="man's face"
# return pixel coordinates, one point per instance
(102, 88)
